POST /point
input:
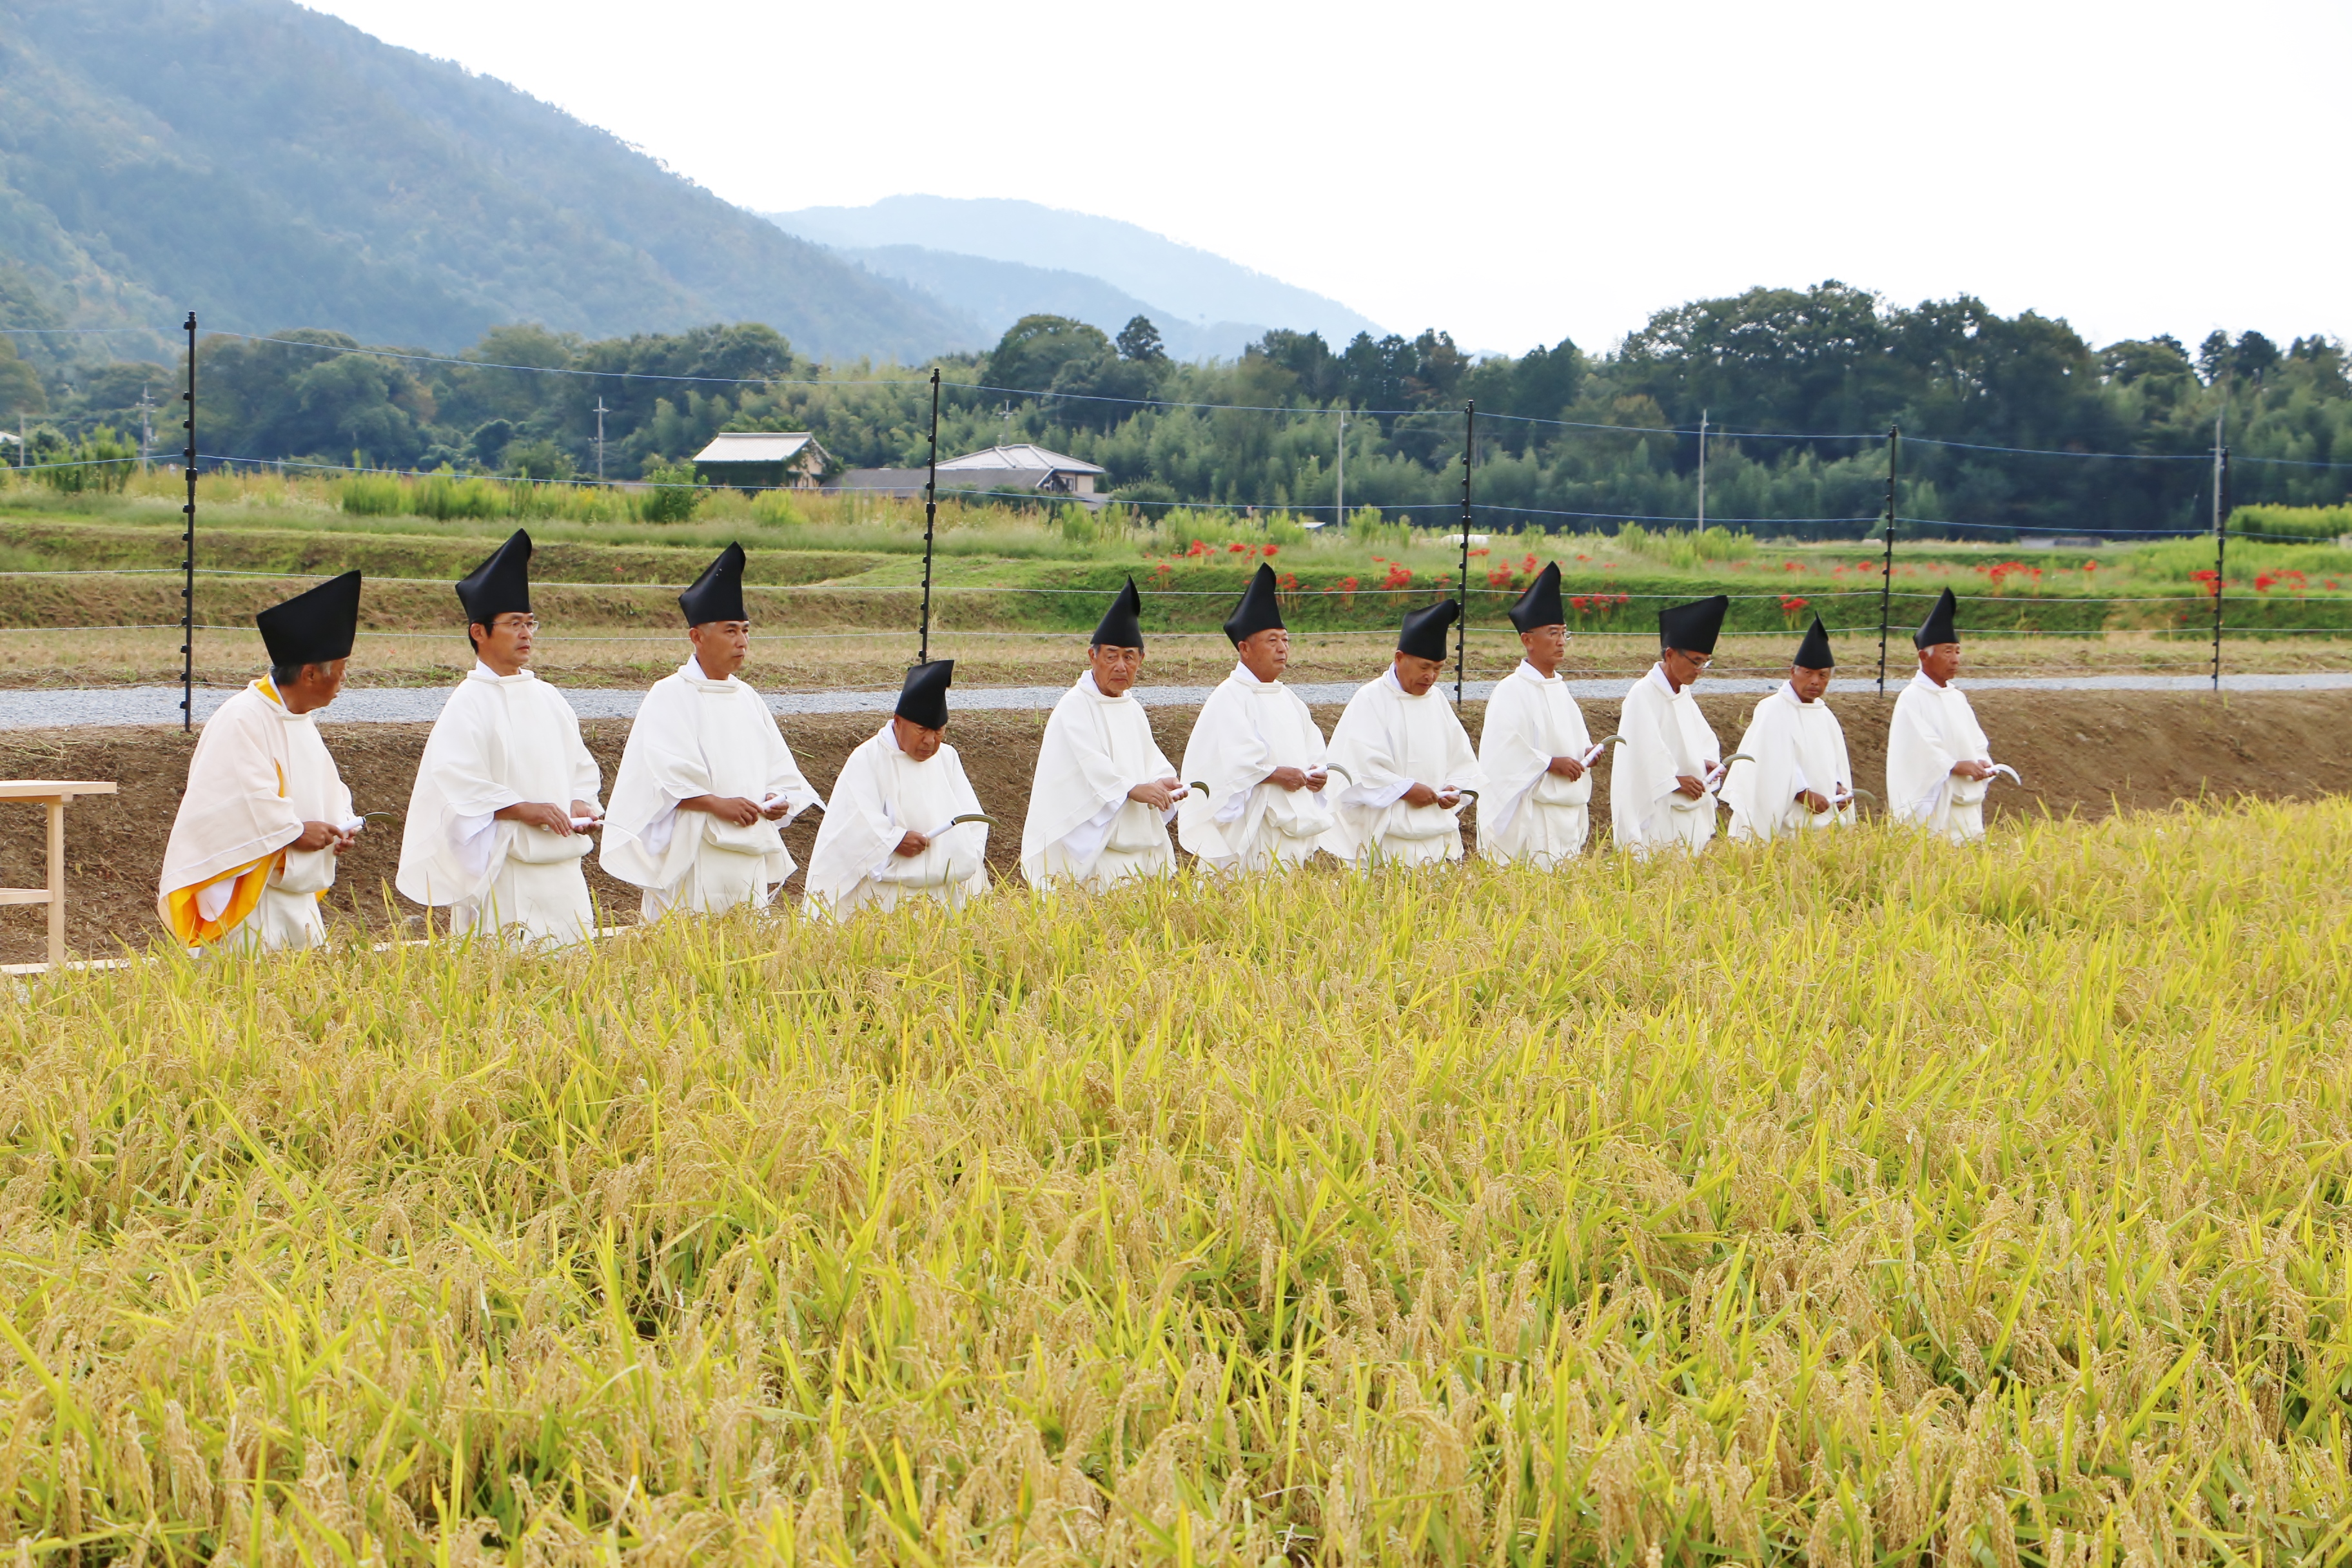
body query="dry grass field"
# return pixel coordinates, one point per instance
(1862, 1200)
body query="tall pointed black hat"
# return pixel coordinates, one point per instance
(500, 585)
(1259, 611)
(1423, 634)
(1813, 652)
(717, 594)
(1541, 605)
(316, 625)
(1938, 628)
(1693, 628)
(1120, 627)
(923, 700)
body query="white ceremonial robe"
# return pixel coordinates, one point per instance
(1934, 728)
(1529, 813)
(1247, 729)
(1667, 738)
(1385, 742)
(883, 793)
(697, 736)
(501, 741)
(229, 878)
(1081, 827)
(1794, 746)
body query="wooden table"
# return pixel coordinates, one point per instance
(53, 793)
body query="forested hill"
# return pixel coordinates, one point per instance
(2010, 424)
(271, 165)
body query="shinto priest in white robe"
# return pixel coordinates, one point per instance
(1385, 742)
(881, 795)
(1245, 730)
(1528, 812)
(1665, 738)
(500, 740)
(1081, 826)
(1794, 747)
(696, 736)
(1934, 727)
(231, 877)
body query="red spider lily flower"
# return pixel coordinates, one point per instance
(1529, 564)
(1268, 551)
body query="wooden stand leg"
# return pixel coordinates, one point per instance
(57, 885)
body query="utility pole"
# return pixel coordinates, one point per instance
(146, 426)
(1702, 470)
(601, 412)
(2220, 534)
(1340, 499)
(1462, 622)
(1887, 567)
(930, 518)
(188, 512)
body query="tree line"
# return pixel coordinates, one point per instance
(1798, 385)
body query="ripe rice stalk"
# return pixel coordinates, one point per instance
(1848, 1200)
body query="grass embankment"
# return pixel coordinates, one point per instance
(1868, 1201)
(824, 568)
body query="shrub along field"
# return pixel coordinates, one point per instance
(1862, 1200)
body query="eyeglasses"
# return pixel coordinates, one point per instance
(1695, 661)
(515, 623)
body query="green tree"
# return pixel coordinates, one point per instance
(1034, 349)
(1140, 340)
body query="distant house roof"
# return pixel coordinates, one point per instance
(755, 446)
(1024, 458)
(885, 481)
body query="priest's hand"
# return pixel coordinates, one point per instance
(1688, 787)
(1422, 794)
(540, 814)
(912, 845)
(1291, 778)
(1568, 768)
(1157, 794)
(1969, 768)
(322, 836)
(1813, 800)
(1317, 779)
(730, 808)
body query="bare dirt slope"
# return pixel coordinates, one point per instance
(2080, 754)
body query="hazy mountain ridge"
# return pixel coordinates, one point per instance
(996, 294)
(271, 166)
(1191, 284)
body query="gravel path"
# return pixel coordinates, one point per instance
(409, 705)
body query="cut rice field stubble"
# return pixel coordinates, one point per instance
(1861, 1200)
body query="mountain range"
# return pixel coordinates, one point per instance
(977, 254)
(272, 167)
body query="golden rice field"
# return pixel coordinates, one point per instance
(1868, 1201)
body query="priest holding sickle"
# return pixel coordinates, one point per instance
(266, 812)
(706, 778)
(506, 791)
(1256, 751)
(1798, 775)
(1662, 780)
(1534, 747)
(1938, 762)
(1103, 794)
(1409, 765)
(903, 822)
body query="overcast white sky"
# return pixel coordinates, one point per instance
(1517, 172)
